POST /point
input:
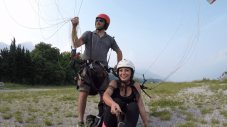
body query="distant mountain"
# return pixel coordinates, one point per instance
(150, 80)
(3, 45)
(112, 77)
(148, 74)
(27, 45)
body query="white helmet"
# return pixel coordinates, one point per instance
(126, 63)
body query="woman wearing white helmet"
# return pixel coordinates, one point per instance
(124, 95)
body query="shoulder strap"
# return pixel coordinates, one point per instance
(118, 84)
(91, 45)
(134, 89)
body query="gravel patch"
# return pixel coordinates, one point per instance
(197, 90)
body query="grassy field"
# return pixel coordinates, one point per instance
(172, 104)
(19, 86)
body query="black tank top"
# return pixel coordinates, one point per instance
(127, 100)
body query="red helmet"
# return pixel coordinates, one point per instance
(106, 17)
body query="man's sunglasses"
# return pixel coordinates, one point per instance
(100, 20)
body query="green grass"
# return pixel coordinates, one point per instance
(33, 125)
(59, 122)
(96, 101)
(224, 123)
(75, 115)
(206, 110)
(56, 109)
(190, 117)
(199, 104)
(215, 121)
(22, 86)
(35, 100)
(69, 114)
(47, 105)
(216, 87)
(218, 107)
(164, 115)
(154, 108)
(48, 122)
(182, 107)
(68, 98)
(203, 122)
(168, 88)
(187, 124)
(18, 117)
(49, 113)
(163, 102)
(207, 81)
(30, 119)
(7, 116)
(4, 109)
(224, 113)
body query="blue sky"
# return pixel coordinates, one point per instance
(184, 38)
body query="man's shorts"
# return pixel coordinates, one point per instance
(100, 80)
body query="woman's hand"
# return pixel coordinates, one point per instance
(115, 108)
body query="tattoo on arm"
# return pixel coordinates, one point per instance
(111, 87)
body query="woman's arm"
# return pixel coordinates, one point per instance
(141, 106)
(109, 91)
(108, 100)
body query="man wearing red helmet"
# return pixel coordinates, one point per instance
(97, 45)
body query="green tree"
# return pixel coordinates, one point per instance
(4, 65)
(12, 68)
(47, 71)
(29, 71)
(64, 63)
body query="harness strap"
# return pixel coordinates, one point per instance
(119, 86)
(103, 71)
(135, 91)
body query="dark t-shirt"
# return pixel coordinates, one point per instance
(100, 46)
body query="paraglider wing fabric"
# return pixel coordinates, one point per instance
(211, 1)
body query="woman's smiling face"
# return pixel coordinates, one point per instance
(125, 74)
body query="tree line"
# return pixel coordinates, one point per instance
(45, 65)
